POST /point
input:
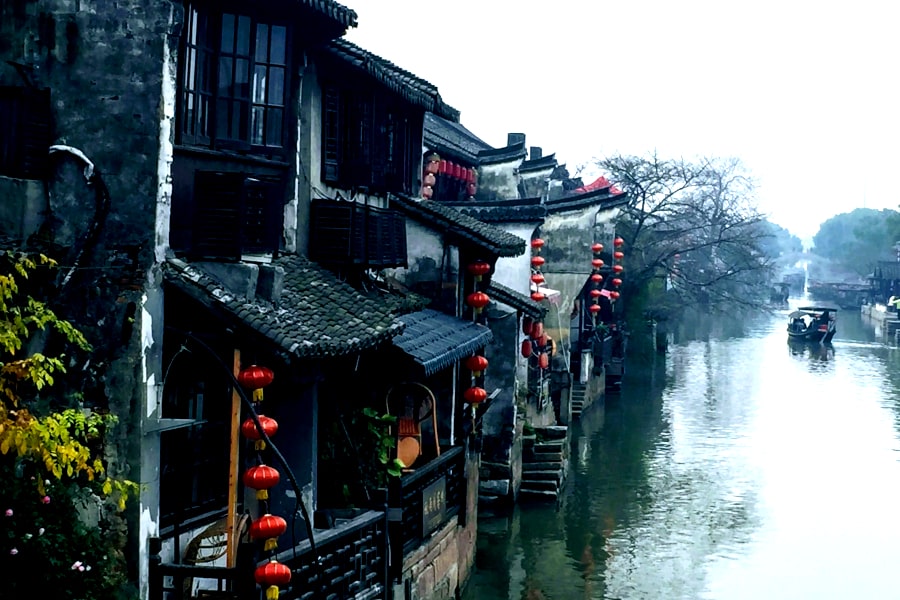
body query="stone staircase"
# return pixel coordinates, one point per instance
(544, 464)
(576, 401)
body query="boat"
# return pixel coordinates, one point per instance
(813, 324)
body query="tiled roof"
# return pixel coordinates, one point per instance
(451, 138)
(409, 86)
(440, 217)
(577, 201)
(546, 162)
(510, 297)
(316, 316)
(487, 157)
(337, 12)
(503, 211)
(435, 340)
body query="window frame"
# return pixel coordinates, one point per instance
(200, 101)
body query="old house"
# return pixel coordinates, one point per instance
(275, 308)
(553, 284)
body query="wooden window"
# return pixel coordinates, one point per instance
(235, 214)
(234, 82)
(366, 140)
(25, 132)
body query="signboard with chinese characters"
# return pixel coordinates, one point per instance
(434, 505)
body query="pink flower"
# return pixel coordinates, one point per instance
(46, 499)
(13, 551)
(76, 565)
(81, 568)
(9, 512)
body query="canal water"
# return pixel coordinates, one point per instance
(733, 467)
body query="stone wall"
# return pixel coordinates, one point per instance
(440, 567)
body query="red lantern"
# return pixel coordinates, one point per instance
(618, 255)
(618, 242)
(597, 263)
(526, 325)
(543, 360)
(526, 348)
(614, 295)
(537, 278)
(597, 248)
(597, 278)
(271, 575)
(268, 527)
(616, 281)
(479, 268)
(537, 243)
(471, 188)
(537, 330)
(427, 192)
(255, 377)
(261, 478)
(537, 261)
(543, 340)
(537, 296)
(596, 293)
(475, 395)
(432, 164)
(476, 364)
(594, 308)
(249, 430)
(618, 268)
(478, 300)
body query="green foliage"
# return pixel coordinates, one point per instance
(52, 456)
(857, 240)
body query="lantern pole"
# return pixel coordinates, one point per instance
(233, 480)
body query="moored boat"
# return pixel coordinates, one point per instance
(813, 324)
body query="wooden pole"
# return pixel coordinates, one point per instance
(234, 452)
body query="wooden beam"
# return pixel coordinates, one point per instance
(233, 480)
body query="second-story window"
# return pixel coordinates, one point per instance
(233, 83)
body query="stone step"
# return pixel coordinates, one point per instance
(554, 432)
(539, 484)
(554, 475)
(551, 457)
(548, 447)
(544, 495)
(538, 466)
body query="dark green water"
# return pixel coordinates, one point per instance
(734, 467)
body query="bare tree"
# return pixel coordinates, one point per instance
(693, 232)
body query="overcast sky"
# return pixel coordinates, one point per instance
(806, 94)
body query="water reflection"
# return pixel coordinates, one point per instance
(736, 466)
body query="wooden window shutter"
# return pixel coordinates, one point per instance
(217, 215)
(332, 134)
(262, 217)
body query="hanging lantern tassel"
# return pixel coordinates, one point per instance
(271, 575)
(261, 478)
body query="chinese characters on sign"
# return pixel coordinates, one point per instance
(434, 505)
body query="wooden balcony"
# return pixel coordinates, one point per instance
(352, 563)
(425, 500)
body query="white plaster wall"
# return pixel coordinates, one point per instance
(501, 179)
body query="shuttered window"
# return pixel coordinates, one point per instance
(235, 215)
(365, 140)
(25, 132)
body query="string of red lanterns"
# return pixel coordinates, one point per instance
(596, 280)
(262, 478)
(536, 343)
(617, 268)
(429, 175)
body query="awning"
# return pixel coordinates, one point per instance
(436, 341)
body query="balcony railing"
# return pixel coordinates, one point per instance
(425, 500)
(347, 233)
(352, 564)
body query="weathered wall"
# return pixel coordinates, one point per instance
(22, 204)
(105, 63)
(501, 448)
(499, 181)
(440, 567)
(433, 269)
